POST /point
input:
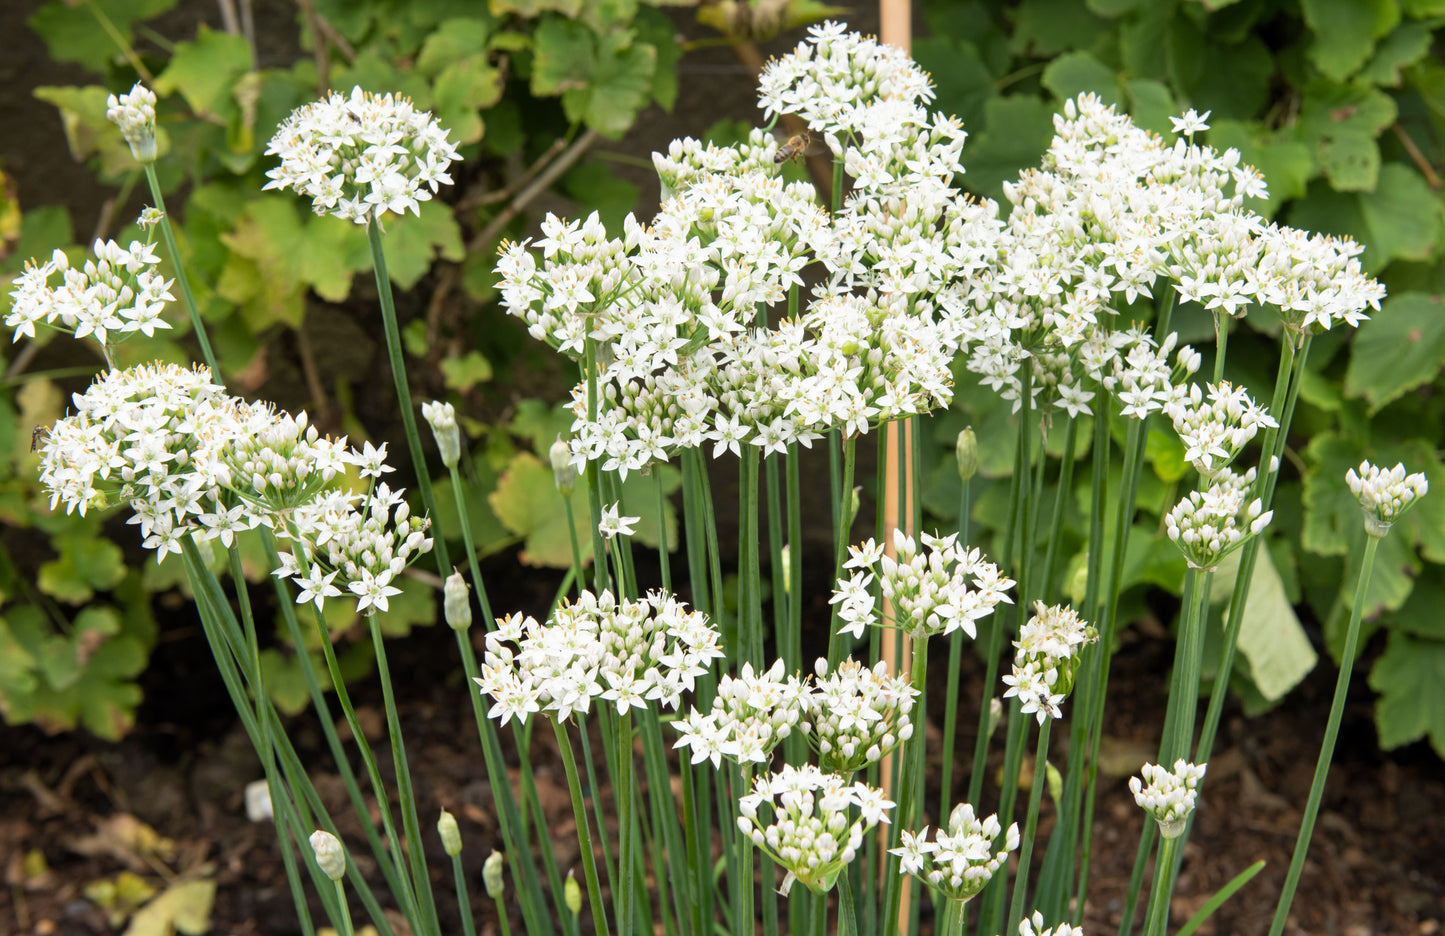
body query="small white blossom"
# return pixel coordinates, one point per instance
(1385, 494)
(1168, 795)
(612, 525)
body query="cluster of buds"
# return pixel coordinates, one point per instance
(1209, 525)
(751, 714)
(817, 822)
(1385, 494)
(856, 716)
(1168, 795)
(960, 860)
(108, 298)
(135, 115)
(1047, 658)
(1214, 432)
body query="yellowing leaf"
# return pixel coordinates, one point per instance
(1270, 635)
(184, 907)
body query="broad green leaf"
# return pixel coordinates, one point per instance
(1229, 79)
(1286, 163)
(1073, 73)
(74, 33)
(1410, 677)
(489, 534)
(1351, 162)
(564, 57)
(1400, 348)
(1112, 8)
(1325, 211)
(413, 242)
(656, 30)
(1044, 28)
(1330, 509)
(183, 907)
(1345, 32)
(1165, 452)
(605, 16)
(1151, 104)
(1017, 131)
(416, 606)
(1403, 216)
(463, 373)
(1330, 111)
(527, 502)
(462, 90)
(453, 41)
(373, 72)
(619, 88)
(86, 564)
(569, 8)
(1420, 9)
(962, 82)
(1400, 49)
(107, 695)
(1270, 635)
(1144, 42)
(597, 186)
(1420, 615)
(206, 71)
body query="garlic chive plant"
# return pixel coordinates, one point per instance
(698, 340)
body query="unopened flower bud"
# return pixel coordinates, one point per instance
(149, 218)
(563, 471)
(135, 115)
(784, 556)
(572, 891)
(456, 604)
(995, 715)
(1056, 782)
(853, 505)
(442, 418)
(492, 876)
(330, 856)
(451, 835)
(966, 451)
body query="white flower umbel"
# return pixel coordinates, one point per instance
(1034, 926)
(361, 156)
(960, 860)
(938, 590)
(750, 715)
(442, 417)
(1168, 795)
(1209, 525)
(855, 716)
(108, 298)
(611, 525)
(805, 819)
(624, 652)
(1047, 659)
(1385, 494)
(1214, 432)
(135, 115)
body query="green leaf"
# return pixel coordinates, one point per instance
(1231, 80)
(1073, 73)
(1165, 451)
(1330, 509)
(1044, 28)
(1351, 162)
(1287, 164)
(416, 606)
(1345, 32)
(453, 41)
(528, 504)
(1402, 214)
(1270, 635)
(413, 242)
(1399, 349)
(1420, 615)
(563, 59)
(1151, 104)
(530, 8)
(74, 32)
(656, 30)
(962, 82)
(206, 71)
(620, 85)
(1113, 8)
(463, 89)
(1410, 677)
(86, 564)
(1400, 49)
(1017, 131)
(489, 534)
(463, 373)
(597, 186)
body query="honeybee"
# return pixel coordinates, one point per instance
(797, 146)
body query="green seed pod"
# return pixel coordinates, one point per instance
(451, 835)
(456, 605)
(966, 451)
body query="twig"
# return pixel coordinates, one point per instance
(312, 377)
(346, 49)
(1418, 158)
(473, 201)
(230, 22)
(540, 184)
(102, 223)
(248, 30)
(447, 281)
(319, 48)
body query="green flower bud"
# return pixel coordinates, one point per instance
(995, 715)
(456, 604)
(443, 421)
(966, 450)
(1056, 782)
(451, 835)
(853, 507)
(492, 877)
(330, 856)
(784, 558)
(563, 471)
(572, 891)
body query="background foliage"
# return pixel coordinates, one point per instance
(1340, 102)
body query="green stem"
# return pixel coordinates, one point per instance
(908, 803)
(1026, 846)
(1156, 920)
(464, 900)
(464, 518)
(584, 837)
(1327, 748)
(346, 928)
(955, 664)
(169, 236)
(663, 548)
(952, 922)
(403, 388)
(837, 649)
(626, 864)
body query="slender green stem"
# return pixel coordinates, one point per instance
(198, 326)
(1031, 824)
(908, 803)
(955, 664)
(750, 599)
(403, 388)
(792, 649)
(503, 922)
(405, 792)
(847, 913)
(663, 547)
(1327, 748)
(837, 647)
(625, 897)
(745, 919)
(1136, 876)
(464, 900)
(952, 922)
(464, 518)
(993, 905)
(1156, 920)
(593, 474)
(584, 837)
(346, 928)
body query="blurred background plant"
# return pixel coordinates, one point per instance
(1342, 104)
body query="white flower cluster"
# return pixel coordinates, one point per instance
(192, 461)
(750, 715)
(1167, 795)
(944, 589)
(361, 156)
(855, 716)
(1385, 494)
(1209, 525)
(442, 417)
(1214, 432)
(625, 652)
(112, 296)
(960, 860)
(1047, 659)
(135, 115)
(1034, 926)
(811, 831)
